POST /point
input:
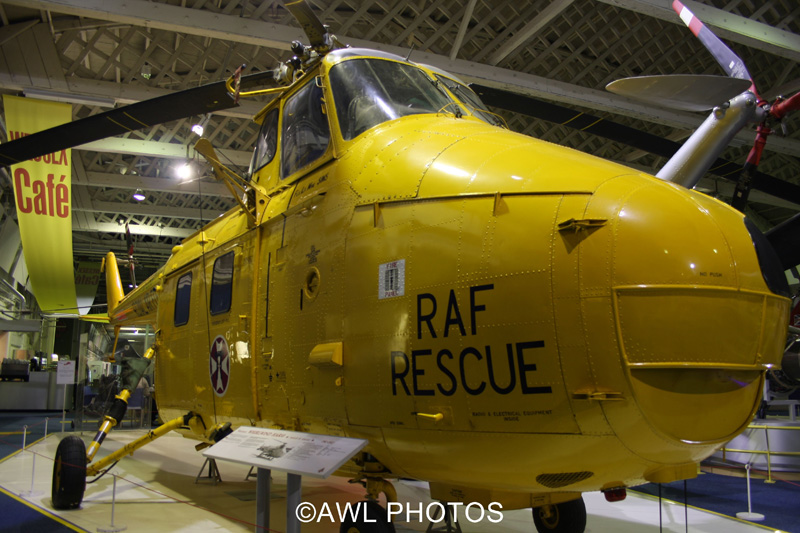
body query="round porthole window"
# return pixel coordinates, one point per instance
(311, 285)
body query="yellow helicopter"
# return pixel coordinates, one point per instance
(509, 320)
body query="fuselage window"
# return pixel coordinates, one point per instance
(183, 297)
(222, 284)
(306, 133)
(267, 142)
(368, 92)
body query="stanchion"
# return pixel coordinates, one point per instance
(64, 410)
(47, 419)
(33, 455)
(33, 473)
(112, 528)
(749, 515)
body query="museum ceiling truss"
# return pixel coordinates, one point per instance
(99, 55)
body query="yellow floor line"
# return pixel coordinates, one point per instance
(12, 432)
(45, 512)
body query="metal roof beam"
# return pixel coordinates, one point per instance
(261, 33)
(130, 208)
(544, 18)
(120, 145)
(132, 182)
(136, 229)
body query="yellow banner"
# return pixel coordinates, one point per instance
(42, 188)
(87, 278)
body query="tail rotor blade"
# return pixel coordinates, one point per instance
(728, 60)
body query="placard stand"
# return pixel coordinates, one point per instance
(293, 452)
(65, 375)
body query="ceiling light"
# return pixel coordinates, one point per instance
(139, 195)
(184, 171)
(200, 127)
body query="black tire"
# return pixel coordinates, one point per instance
(374, 512)
(69, 473)
(567, 517)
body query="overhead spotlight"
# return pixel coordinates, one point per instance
(200, 127)
(184, 171)
(139, 195)
(146, 71)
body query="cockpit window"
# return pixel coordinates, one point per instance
(469, 98)
(267, 141)
(305, 129)
(368, 92)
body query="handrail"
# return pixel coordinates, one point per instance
(769, 453)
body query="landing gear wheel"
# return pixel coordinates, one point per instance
(567, 517)
(69, 473)
(377, 521)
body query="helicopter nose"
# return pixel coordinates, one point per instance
(696, 321)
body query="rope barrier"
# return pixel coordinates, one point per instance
(150, 489)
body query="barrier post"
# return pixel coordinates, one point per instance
(749, 515)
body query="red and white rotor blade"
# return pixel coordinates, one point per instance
(728, 60)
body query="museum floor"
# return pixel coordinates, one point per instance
(156, 491)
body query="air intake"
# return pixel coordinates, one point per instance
(556, 481)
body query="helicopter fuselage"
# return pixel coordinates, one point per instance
(488, 310)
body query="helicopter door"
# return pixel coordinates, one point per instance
(229, 278)
(181, 365)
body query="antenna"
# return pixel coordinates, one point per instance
(410, 51)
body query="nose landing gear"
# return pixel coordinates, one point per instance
(567, 517)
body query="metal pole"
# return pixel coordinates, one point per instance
(263, 478)
(293, 497)
(749, 499)
(769, 458)
(33, 471)
(24, 436)
(64, 409)
(114, 500)
(749, 515)
(45, 426)
(112, 528)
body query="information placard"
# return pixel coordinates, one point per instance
(293, 452)
(66, 373)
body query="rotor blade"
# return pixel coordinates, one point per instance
(727, 59)
(312, 26)
(785, 239)
(541, 109)
(197, 101)
(687, 92)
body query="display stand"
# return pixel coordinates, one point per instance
(448, 526)
(65, 376)
(213, 476)
(297, 454)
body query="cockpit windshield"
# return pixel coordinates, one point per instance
(368, 92)
(468, 96)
